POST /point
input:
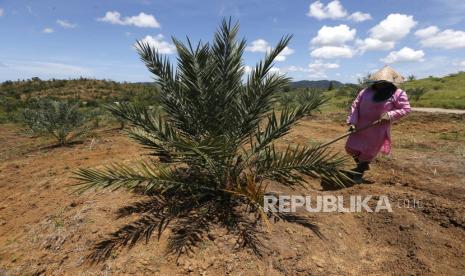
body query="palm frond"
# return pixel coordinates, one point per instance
(141, 117)
(158, 65)
(276, 128)
(290, 166)
(148, 176)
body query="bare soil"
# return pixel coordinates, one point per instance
(46, 229)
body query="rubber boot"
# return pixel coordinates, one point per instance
(362, 166)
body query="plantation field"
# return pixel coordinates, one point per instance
(445, 92)
(46, 229)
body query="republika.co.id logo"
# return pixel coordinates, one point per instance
(326, 203)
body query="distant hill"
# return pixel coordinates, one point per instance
(322, 84)
(83, 89)
(14, 95)
(445, 92)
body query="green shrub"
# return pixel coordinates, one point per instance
(416, 93)
(61, 120)
(349, 93)
(286, 100)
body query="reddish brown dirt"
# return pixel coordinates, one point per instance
(44, 229)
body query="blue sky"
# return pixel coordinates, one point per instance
(340, 40)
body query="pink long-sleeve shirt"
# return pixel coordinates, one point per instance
(367, 143)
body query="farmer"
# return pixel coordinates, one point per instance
(382, 101)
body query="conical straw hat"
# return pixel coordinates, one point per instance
(387, 74)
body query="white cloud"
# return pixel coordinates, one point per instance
(460, 64)
(157, 42)
(316, 69)
(247, 69)
(373, 44)
(259, 45)
(393, 28)
(46, 69)
(359, 16)
(427, 32)
(294, 68)
(262, 46)
(384, 35)
(337, 35)
(66, 24)
(447, 39)
(319, 68)
(284, 53)
(404, 55)
(275, 70)
(141, 20)
(48, 30)
(328, 52)
(334, 10)
(1, 12)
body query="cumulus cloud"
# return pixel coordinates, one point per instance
(276, 70)
(427, 32)
(329, 52)
(359, 16)
(337, 35)
(393, 28)
(434, 38)
(294, 68)
(248, 70)
(404, 55)
(334, 10)
(66, 24)
(331, 42)
(319, 67)
(386, 33)
(159, 44)
(48, 30)
(284, 53)
(373, 44)
(316, 69)
(141, 20)
(262, 46)
(259, 45)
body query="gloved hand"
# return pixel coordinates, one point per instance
(385, 117)
(351, 128)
